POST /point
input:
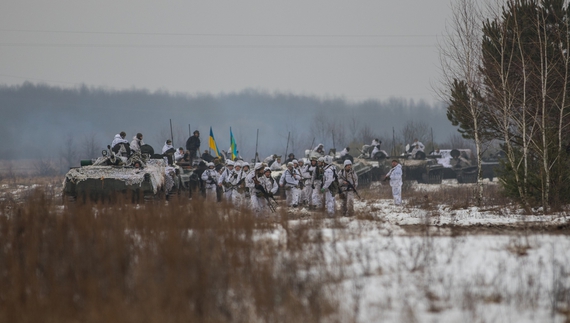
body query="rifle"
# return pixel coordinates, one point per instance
(268, 197)
(293, 174)
(387, 176)
(336, 181)
(230, 187)
(350, 186)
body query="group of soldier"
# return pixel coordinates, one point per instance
(312, 183)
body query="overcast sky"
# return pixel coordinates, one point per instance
(354, 49)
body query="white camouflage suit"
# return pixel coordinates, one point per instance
(418, 146)
(210, 178)
(396, 182)
(345, 177)
(224, 181)
(317, 183)
(290, 182)
(245, 196)
(258, 200)
(306, 176)
(328, 179)
(236, 180)
(136, 144)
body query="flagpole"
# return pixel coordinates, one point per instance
(256, 158)
(171, 135)
(287, 148)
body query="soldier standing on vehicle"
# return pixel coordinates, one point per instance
(395, 176)
(348, 181)
(193, 146)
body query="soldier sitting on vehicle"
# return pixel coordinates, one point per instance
(207, 157)
(270, 159)
(179, 155)
(377, 153)
(417, 150)
(320, 149)
(276, 165)
(168, 151)
(290, 158)
(120, 146)
(137, 142)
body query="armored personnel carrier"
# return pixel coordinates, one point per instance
(419, 167)
(107, 176)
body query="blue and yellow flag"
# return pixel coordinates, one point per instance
(213, 145)
(233, 145)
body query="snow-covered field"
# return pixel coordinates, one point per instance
(406, 264)
(391, 276)
(410, 264)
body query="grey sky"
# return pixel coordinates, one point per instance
(355, 49)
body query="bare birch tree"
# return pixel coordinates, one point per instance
(460, 56)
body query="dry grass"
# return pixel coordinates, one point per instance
(457, 197)
(156, 263)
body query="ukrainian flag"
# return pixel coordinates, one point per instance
(213, 145)
(233, 145)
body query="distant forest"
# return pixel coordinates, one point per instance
(42, 121)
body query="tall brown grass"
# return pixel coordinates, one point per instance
(176, 262)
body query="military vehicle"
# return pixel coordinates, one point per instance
(142, 175)
(421, 169)
(459, 164)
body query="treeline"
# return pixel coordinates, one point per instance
(42, 121)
